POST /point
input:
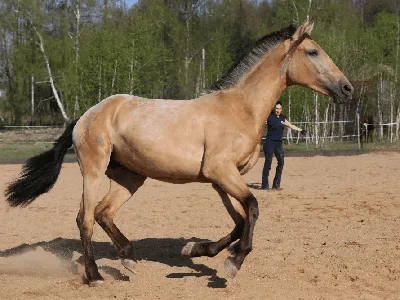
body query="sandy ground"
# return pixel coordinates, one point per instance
(331, 233)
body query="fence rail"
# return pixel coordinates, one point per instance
(310, 138)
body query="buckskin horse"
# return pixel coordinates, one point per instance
(213, 138)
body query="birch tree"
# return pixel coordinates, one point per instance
(51, 80)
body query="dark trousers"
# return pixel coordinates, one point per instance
(271, 148)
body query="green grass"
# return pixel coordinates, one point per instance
(20, 144)
(22, 151)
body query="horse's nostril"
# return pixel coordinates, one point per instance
(347, 89)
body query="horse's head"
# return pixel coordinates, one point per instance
(307, 64)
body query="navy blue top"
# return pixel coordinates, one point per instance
(275, 126)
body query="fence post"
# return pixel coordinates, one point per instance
(358, 131)
(316, 124)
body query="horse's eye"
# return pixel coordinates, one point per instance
(313, 52)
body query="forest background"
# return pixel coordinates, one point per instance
(59, 58)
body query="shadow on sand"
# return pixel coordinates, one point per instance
(165, 250)
(254, 185)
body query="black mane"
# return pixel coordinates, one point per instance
(251, 57)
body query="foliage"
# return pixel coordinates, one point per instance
(154, 49)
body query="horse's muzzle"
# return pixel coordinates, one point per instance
(341, 92)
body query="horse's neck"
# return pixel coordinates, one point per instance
(262, 87)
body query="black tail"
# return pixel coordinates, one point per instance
(40, 172)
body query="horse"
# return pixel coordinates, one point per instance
(211, 139)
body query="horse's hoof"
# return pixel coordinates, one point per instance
(187, 250)
(230, 268)
(129, 264)
(96, 283)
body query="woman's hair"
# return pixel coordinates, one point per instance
(273, 110)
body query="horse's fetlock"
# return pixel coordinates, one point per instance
(126, 251)
(212, 251)
(247, 249)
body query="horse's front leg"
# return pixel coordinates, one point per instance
(226, 175)
(210, 248)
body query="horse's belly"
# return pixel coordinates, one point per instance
(176, 166)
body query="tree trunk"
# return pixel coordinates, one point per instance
(396, 72)
(55, 93)
(391, 113)
(187, 59)
(289, 131)
(99, 96)
(32, 99)
(131, 69)
(358, 130)
(380, 89)
(203, 69)
(76, 48)
(309, 8)
(297, 20)
(397, 124)
(114, 76)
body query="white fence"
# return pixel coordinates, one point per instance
(360, 130)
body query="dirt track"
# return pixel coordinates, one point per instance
(333, 232)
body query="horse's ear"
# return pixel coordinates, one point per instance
(306, 27)
(309, 28)
(300, 31)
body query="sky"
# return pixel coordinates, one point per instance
(130, 2)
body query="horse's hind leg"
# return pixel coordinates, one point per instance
(93, 158)
(85, 221)
(123, 185)
(211, 249)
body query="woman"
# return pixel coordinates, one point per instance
(273, 145)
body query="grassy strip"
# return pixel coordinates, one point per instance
(23, 151)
